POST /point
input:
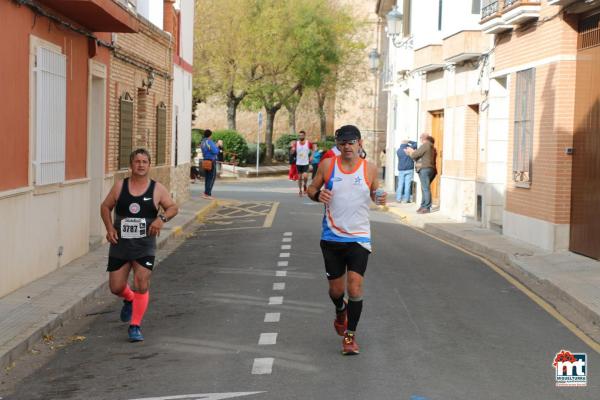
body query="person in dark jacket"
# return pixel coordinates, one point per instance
(425, 160)
(406, 172)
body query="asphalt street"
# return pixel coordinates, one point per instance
(240, 310)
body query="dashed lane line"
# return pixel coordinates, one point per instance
(284, 255)
(281, 273)
(275, 300)
(282, 263)
(287, 234)
(279, 286)
(267, 339)
(262, 366)
(286, 240)
(272, 317)
(286, 247)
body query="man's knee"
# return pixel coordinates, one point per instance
(117, 288)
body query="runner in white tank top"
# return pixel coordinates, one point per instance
(302, 148)
(346, 184)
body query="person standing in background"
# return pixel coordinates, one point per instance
(210, 152)
(424, 157)
(406, 172)
(315, 159)
(382, 160)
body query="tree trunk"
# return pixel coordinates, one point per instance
(292, 119)
(269, 132)
(231, 113)
(322, 116)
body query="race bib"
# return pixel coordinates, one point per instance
(133, 228)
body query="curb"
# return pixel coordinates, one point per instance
(578, 313)
(22, 342)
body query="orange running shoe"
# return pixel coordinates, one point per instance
(340, 323)
(349, 345)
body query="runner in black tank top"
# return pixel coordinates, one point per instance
(132, 236)
(133, 215)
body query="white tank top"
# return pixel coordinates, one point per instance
(302, 152)
(346, 216)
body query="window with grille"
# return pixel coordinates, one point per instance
(125, 130)
(161, 134)
(523, 126)
(589, 32)
(50, 116)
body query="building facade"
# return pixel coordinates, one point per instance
(510, 91)
(55, 68)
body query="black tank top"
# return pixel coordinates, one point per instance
(129, 206)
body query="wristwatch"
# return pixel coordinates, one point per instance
(163, 218)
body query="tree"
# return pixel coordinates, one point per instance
(295, 53)
(225, 31)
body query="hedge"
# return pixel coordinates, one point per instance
(233, 142)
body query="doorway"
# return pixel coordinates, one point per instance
(437, 131)
(96, 140)
(585, 183)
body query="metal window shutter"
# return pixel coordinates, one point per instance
(51, 113)
(161, 134)
(125, 130)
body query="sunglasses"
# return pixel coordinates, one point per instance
(345, 142)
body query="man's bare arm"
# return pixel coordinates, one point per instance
(319, 181)
(106, 208)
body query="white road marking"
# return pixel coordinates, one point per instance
(284, 255)
(286, 240)
(203, 396)
(279, 286)
(281, 273)
(275, 300)
(272, 317)
(267, 339)
(286, 246)
(282, 263)
(262, 366)
(287, 234)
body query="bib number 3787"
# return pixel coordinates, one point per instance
(133, 228)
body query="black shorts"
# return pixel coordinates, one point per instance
(115, 264)
(342, 256)
(302, 169)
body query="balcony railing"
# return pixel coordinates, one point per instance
(508, 3)
(491, 7)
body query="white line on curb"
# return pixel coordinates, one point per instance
(272, 317)
(275, 300)
(267, 339)
(262, 366)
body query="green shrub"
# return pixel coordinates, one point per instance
(251, 156)
(284, 141)
(233, 142)
(281, 155)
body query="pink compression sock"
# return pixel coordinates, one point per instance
(140, 304)
(127, 293)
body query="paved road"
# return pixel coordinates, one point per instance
(437, 323)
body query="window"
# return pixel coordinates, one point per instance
(440, 14)
(50, 116)
(476, 7)
(161, 134)
(524, 114)
(125, 130)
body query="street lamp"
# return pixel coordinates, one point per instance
(374, 61)
(394, 29)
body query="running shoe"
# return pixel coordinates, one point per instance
(340, 323)
(126, 311)
(135, 333)
(349, 345)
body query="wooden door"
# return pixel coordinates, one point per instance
(437, 131)
(585, 183)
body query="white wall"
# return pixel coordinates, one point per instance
(186, 32)
(424, 23)
(182, 110)
(457, 16)
(152, 10)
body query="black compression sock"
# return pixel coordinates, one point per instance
(339, 303)
(354, 311)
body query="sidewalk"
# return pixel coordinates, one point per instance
(568, 281)
(41, 306)
(250, 171)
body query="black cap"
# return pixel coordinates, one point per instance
(347, 132)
